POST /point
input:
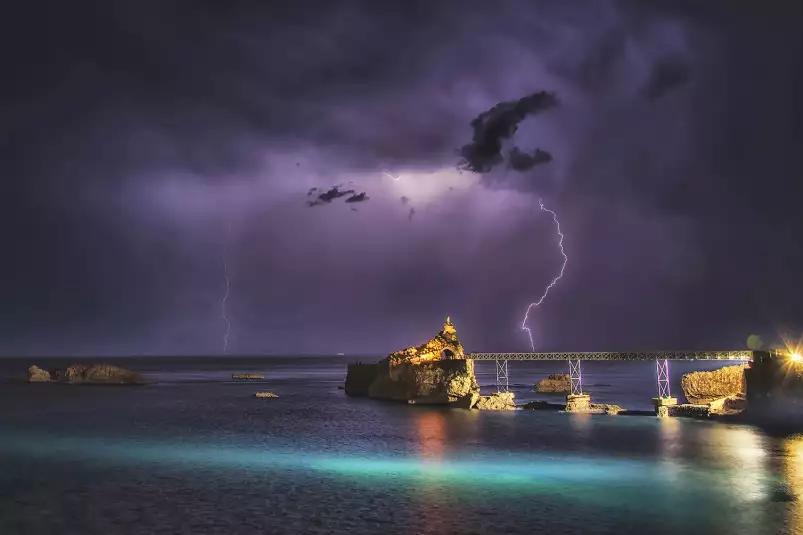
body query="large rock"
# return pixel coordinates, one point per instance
(437, 382)
(38, 375)
(557, 383)
(500, 401)
(100, 374)
(359, 378)
(701, 388)
(435, 372)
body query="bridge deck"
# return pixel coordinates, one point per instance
(636, 355)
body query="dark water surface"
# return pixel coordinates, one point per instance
(197, 453)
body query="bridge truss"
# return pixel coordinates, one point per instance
(636, 355)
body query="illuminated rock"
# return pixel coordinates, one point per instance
(444, 346)
(240, 376)
(436, 382)
(578, 403)
(701, 388)
(500, 401)
(38, 375)
(436, 372)
(556, 383)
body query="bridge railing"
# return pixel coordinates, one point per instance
(608, 355)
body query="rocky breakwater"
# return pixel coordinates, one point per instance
(702, 388)
(436, 372)
(104, 374)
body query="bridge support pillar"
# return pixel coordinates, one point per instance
(501, 376)
(662, 374)
(662, 406)
(576, 377)
(578, 403)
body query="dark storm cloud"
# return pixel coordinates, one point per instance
(491, 128)
(358, 197)
(522, 161)
(675, 165)
(329, 195)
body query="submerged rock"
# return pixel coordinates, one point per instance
(38, 375)
(500, 401)
(701, 388)
(436, 372)
(556, 383)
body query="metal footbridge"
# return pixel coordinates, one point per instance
(575, 359)
(608, 355)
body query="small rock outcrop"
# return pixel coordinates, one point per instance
(38, 375)
(701, 388)
(436, 372)
(606, 408)
(240, 376)
(500, 401)
(556, 383)
(266, 395)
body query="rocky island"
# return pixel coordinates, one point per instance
(436, 372)
(104, 374)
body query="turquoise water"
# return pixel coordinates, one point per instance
(197, 453)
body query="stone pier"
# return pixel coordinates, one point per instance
(578, 403)
(662, 406)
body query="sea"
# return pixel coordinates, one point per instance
(198, 453)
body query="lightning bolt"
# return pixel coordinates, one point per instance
(554, 281)
(228, 289)
(394, 178)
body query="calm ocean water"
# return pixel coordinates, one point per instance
(197, 453)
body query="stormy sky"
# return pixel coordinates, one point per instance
(133, 134)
